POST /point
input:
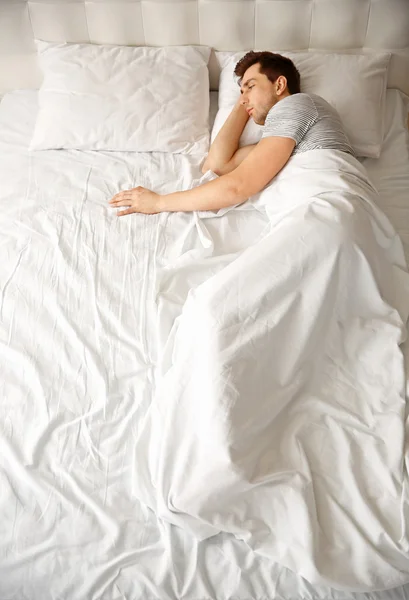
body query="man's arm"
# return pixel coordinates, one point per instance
(235, 160)
(227, 140)
(250, 177)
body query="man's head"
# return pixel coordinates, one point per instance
(264, 79)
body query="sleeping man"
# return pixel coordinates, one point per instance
(293, 122)
(279, 411)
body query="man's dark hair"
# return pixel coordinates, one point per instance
(272, 65)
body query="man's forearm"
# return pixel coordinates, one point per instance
(227, 140)
(213, 195)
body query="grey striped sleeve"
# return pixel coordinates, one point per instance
(291, 117)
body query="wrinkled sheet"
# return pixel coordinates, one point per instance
(279, 410)
(80, 299)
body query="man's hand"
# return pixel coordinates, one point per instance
(227, 140)
(139, 200)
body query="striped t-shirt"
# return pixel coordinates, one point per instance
(308, 120)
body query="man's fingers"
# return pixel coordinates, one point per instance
(125, 194)
(116, 198)
(129, 211)
(121, 203)
(121, 196)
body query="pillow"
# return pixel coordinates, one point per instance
(354, 84)
(98, 97)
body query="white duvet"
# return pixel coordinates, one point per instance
(280, 402)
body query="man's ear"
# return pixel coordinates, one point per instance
(281, 85)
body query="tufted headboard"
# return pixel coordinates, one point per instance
(334, 25)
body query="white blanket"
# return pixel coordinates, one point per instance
(279, 409)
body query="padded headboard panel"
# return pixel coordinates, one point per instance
(334, 25)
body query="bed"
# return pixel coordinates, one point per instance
(81, 296)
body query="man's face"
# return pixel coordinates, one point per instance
(258, 94)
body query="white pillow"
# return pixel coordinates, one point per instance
(354, 84)
(142, 99)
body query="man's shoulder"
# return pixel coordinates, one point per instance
(300, 102)
(299, 99)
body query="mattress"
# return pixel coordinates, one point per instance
(77, 296)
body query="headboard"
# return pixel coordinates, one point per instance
(334, 25)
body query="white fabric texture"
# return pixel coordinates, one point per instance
(123, 98)
(390, 174)
(355, 85)
(80, 297)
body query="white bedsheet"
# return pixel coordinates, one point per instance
(390, 173)
(78, 355)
